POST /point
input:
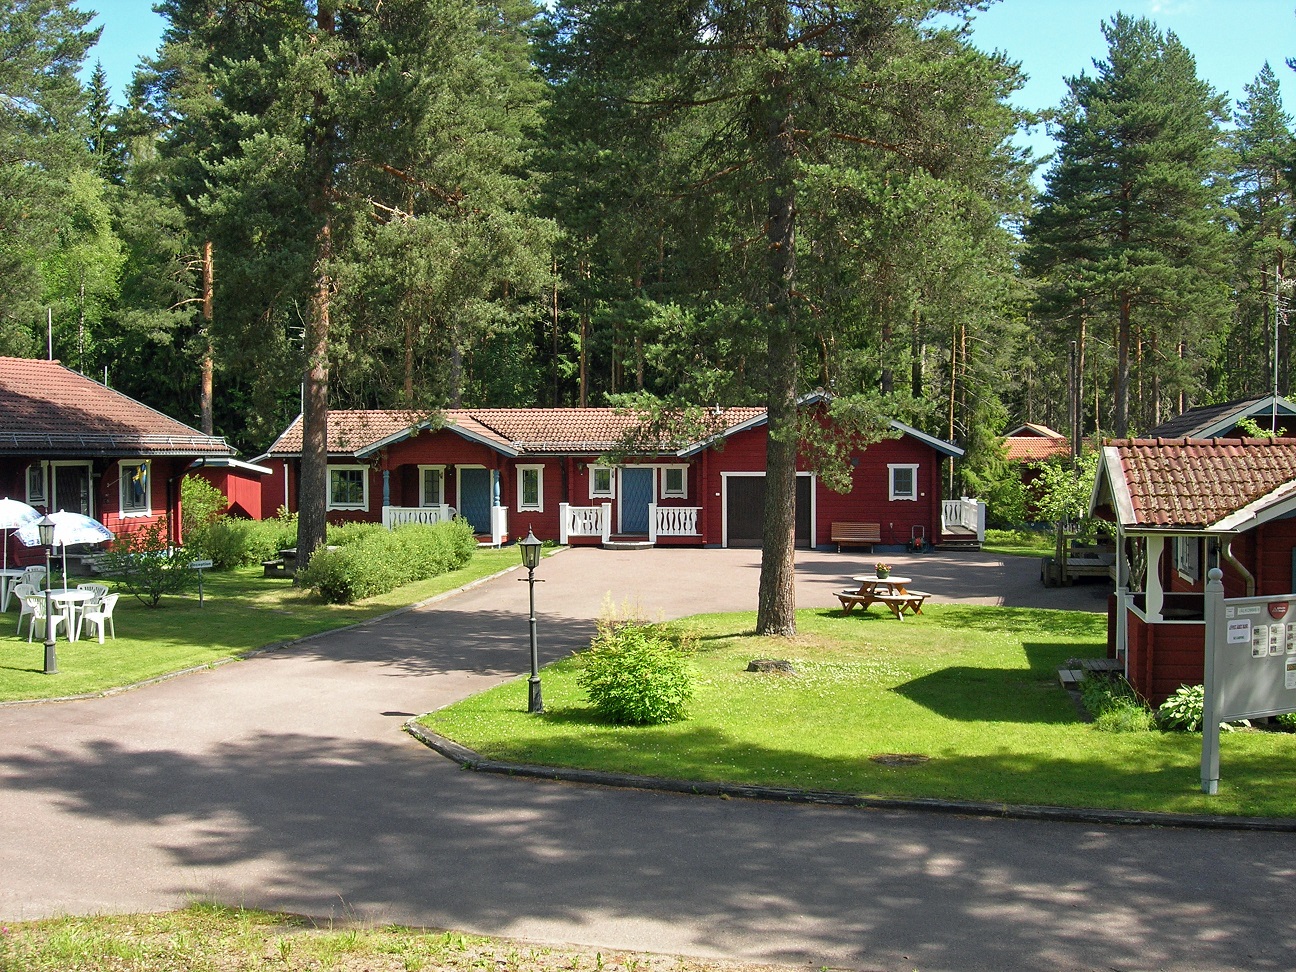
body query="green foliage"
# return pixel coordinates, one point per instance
(1183, 711)
(998, 484)
(1115, 706)
(375, 561)
(230, 543)
(635, 674)
(1253, 429)
(1287, 721)
(200, 504)
(144, 565)
(1061, 493)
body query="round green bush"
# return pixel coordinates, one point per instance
(1183, 711)
(636, 676)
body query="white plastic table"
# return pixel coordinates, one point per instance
(9, 576)
(74, 598)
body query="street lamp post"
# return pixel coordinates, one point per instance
(530, 548)
(45, 529)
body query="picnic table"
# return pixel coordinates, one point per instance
(892, 591)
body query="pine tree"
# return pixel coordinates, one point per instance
(1129, 229)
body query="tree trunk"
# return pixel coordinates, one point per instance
(312, 524)
(776, 608)
(205, 395)
(1121, 418)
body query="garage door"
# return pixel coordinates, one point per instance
(745, 510)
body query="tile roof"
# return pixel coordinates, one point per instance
(47, 409)
(1208, 421)
(1034, 430)
(1032, 448)
(1195, 483)
(531, 431)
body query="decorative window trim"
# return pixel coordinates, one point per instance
(363, 505)
(37, 498)
(124, 508)
(666, 491)
(610, 492)
(423, 497)
(538, 505)
(892, 493)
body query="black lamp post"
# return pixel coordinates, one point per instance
(45, 529)
(530, 548)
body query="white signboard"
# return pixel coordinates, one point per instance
(1239, 632)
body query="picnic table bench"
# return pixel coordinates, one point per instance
(898, 604)
(856, 535)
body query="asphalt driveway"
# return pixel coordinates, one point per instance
(285, 782)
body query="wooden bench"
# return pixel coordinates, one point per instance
(911, 601)
(850, 598)
(856, 535)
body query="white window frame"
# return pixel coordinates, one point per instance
(1188, 558)
(42, 498)
(51, 481)
(892, 469)
(363, 506)
(423, 497)
(538, 505)
(610, 492)
(123, 509)
(666, 491)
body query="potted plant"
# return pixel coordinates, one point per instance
(883, 570)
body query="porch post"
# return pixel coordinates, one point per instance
(652, 522)
(607, 522)
(562, 522)
(386, 487)
(1155, 593)
(1122, 602)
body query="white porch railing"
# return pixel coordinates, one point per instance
(498, 524)
(394, 516)
(584, 521)
(965, 514)
(672, 521)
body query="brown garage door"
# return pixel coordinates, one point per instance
(745, 506)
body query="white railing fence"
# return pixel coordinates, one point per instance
(584, 521)
(394, 516)
(673, 521)
(498, 524)
(964, 513)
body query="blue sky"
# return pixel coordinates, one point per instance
(1053, 39)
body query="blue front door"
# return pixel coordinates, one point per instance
(475, 498)
(636, 494)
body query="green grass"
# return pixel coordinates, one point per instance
(215, 938)
(974, 689)
(242, 611)
(1019, 543)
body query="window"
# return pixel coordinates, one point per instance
(904, 482)
(531, 488)
(36, 484)
(135, 488)
(431, 485)
(348, 488)
(601, 482)
(1188, 558)
(674, 482)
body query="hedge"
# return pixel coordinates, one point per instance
(373, 560)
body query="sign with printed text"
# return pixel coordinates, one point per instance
(1278, 609)
(1239, 632)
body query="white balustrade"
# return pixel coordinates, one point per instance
(968, 514)
(677, 521)
(498, 524)
(584, 521)
(394, 516)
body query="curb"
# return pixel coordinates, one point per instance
(469, 759)
(264, 649)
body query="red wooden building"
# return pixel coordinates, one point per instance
(1181, 507)
(507, 470)
(70, 443)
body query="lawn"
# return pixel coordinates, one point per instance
(213, 937)
(1019, 543)
(972, 691)
(241, 611)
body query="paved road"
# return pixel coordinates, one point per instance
(285, 782)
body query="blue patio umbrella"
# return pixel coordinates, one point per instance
(69, 529)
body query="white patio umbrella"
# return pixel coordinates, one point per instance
(69, 529)
(14, 514)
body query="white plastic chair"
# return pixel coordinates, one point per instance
(100, 591)
(35, 576)
(21, 591)
(37, 602)
(99, 612)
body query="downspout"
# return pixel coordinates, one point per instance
(1227, 550)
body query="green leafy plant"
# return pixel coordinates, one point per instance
(1115, 706)
(1183, 711)
(635, 674)
(1287, 721)
(230, 543)
(144, 565)
(375, 560)
(200, 504)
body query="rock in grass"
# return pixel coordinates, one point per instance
(780, 665)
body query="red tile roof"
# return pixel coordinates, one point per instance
(531, 431)
(1033, 448)
(49, 410)
(1194, 483)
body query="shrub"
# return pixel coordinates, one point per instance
(374, 560)
(229, 543)
(200, 504)
(634, 674)
(1287, 721)
(144, 565)
(1183, 711)
(1115, 706)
